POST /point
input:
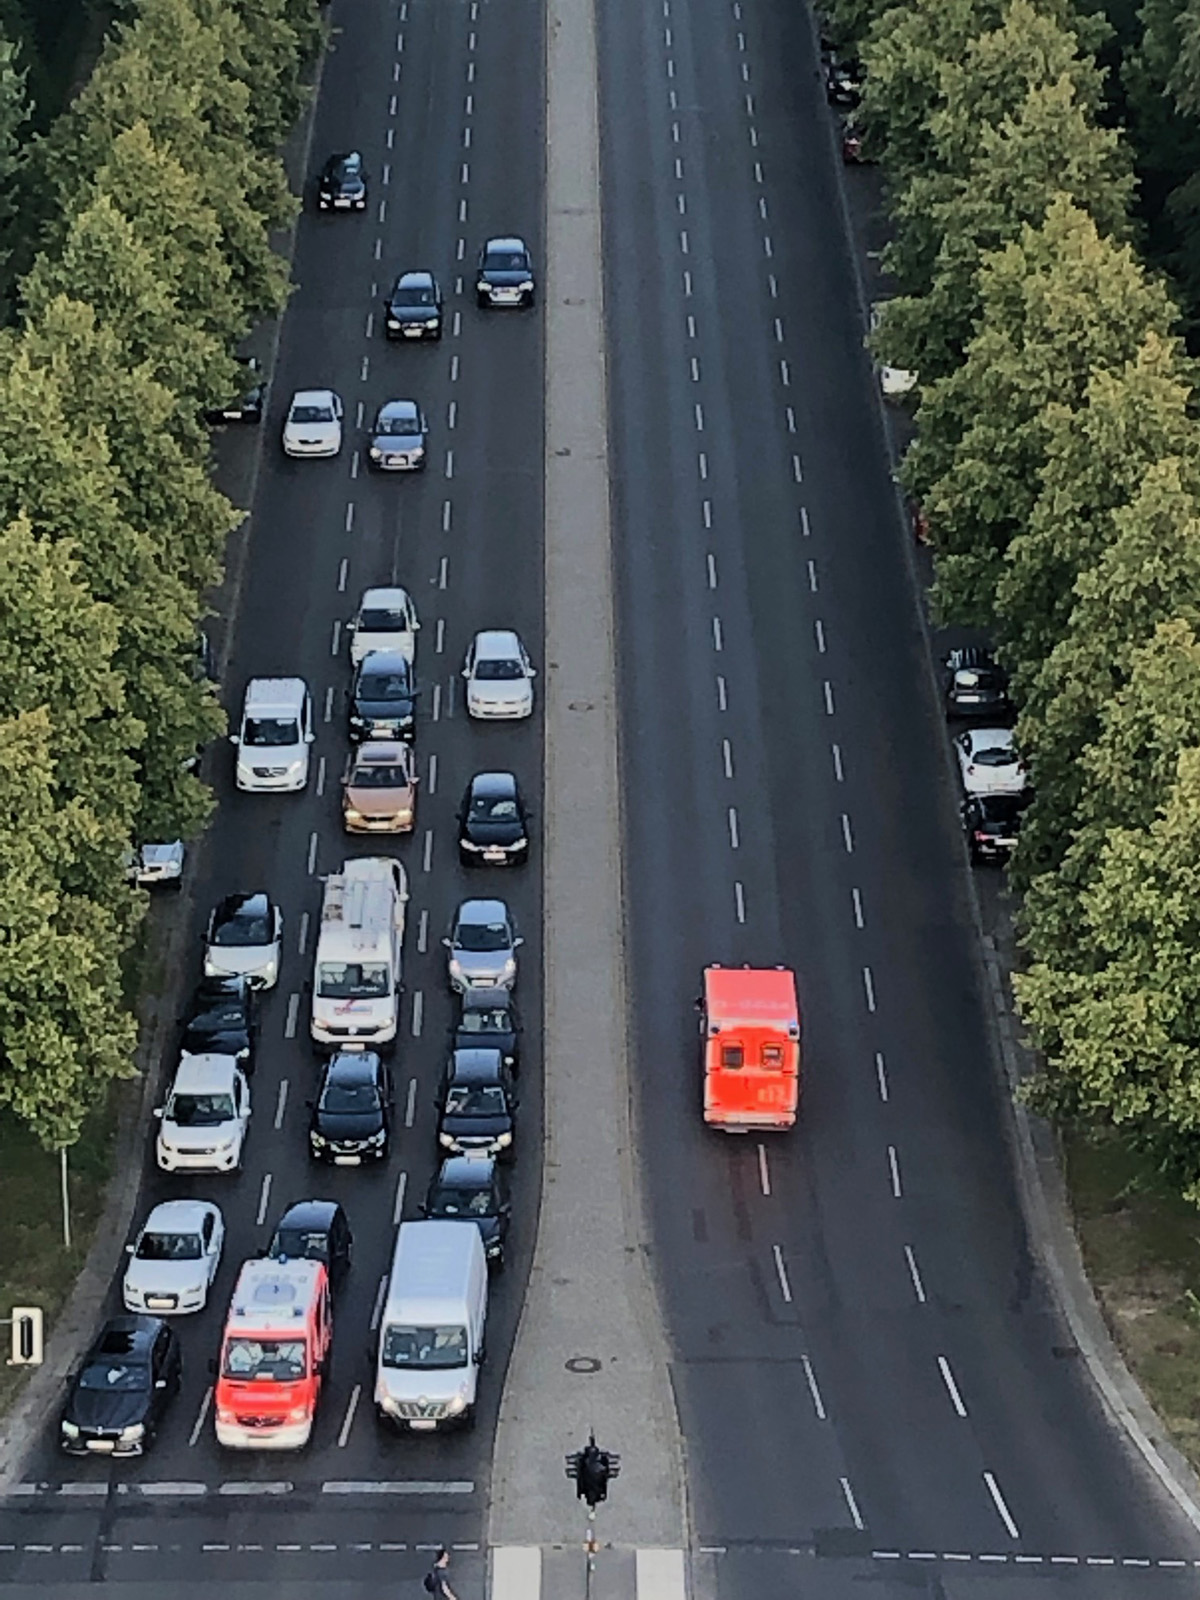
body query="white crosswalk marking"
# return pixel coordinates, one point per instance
(516, 1572)
(652, 1574)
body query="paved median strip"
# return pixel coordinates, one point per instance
(188, 1489)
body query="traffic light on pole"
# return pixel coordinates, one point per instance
(593, 1470)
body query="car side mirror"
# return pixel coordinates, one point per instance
(466, 672)
(309, 737)
(129, 1249)
(160, 1383)
(532, 672)
(446, 942)
(517, 943)
(235, 738)
(158, 1112)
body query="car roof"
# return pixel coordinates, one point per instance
(275, 693)
(501, 642)
(351, 1066)
(480, 999)
(493, 783)
(474, 1065)
(468, 1172)
(399, 408)
(388, 598)
(207, 1073)
(313, 397)
(127, 1336)
(482, 911)
(418, 279)
(178, 1216)
(312, 1216)
(508, 242)
(386, 661)
(382, 752)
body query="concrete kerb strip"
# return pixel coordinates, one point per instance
(590, 1350)
(1041, 1184)
(30, 1415)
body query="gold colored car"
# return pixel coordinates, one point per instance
(379, 794)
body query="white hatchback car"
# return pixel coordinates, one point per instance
(202, 1127)
(175, 1258)
(386, 619)
(313, 426)
(988, 762)
(499, 676)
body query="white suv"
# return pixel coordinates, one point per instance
(202, 1127)
(275, 733)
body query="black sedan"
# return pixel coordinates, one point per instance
(492, 822)
(488, 1020)
(414, 307)
(477, 1105)
(315, 1230)
(342, 185)
(221, 1020)
(975, 685)
(992, 823)
(505, 274)
(473, 1189)
(121, 1391)
(352, 1114)
(248, 404)
(383, 697)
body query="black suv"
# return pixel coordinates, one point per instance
(315, 1230)
(473, 1189)
(221, 1019)
(992, 823)
(505, 276)
(488, 1020)
(492, 823)
(122, 1389)
(477, 1105)
(352, 1114)
(414, 307)
(249, 402)
(343, 184)
(975, 685)
(382, 699)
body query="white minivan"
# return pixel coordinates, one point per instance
(274, 736)
(431, 1337)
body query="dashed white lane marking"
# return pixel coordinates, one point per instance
(819, 630)
(418, 1013)
(264, 1197)
(856, 902)
(364, 369)
(348, 1420)
(869, 988)
(790, 417)
(687, 285)
(716, 633)
(881, 1076)
(427, 855)
(811, 1378)
(433, 770)
(894, 1171)
(343, 571)
(711, 563)
(702, 459)
(706, 506)
(349, 525)
(683, 241)
(293, 1011)
(312, 853)
(764, 1172)
(370, 324)
(281, 1104)
(733, 828)
(785, 374)
(201, 1416)
(449, 463)
(915, 1274)
(785, 1287)
(1005, 1515)
(451, 413)
(392, 106)
(727, 757)
(410, 1104)
(698, 414)
(423, 933)
(837, 763)
(329, 703)
(377, 1308)
(739, 902)
(358, 422)
(435, 710)
(722, 694)
(847, 835)
(805, 530)
(443, 572)
(446, 513)
(812, 575)
(398, 1204)
(956, 1399)
(321, 767)
(439, 643)
(302, 941)
(851, 1504)
(354, 466)
(797, 469)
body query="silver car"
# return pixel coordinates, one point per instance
(482, 947)
(398, 437)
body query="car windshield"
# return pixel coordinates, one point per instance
(352, 980)
(270, 731)
(243, 931)
(493, 671)
(506, 261)
(496, 1021)
(384, 686)
(347, 1098)
(996, 755)
(475, 1100)
(379, 775)
(265, 1360)
(405, 426)
(379, 620)
(451, 1202)
(115, 1377)
(424, 1347)
(300, 1244)
(318, 413)
(169, 1247)
(200, 1110)
(481, 936)
(492, 808)
(414, 297)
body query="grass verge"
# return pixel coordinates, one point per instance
(1141, 1245)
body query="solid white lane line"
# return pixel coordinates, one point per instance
(423, 932)
(427, 858)
(312, 853)
(733, 828)
(811, 1376)
(827, 688)
(348, 1421)
(410, 1104)
(993, 1489)
(837, 763)
(856, 901)
(716, 632)
(711, 561)
(869, 988)
(851, 1504)
(201, 1415)
(847, 836)
(727, 757)
(952, 1388)
(343, 571)
(398, 1204)
(281, 1104)
(418, 1012)
(881, 1076)
(894, 1171)
(433, 774)
(819, 630)
(289, 1026)
(785, 1287)
(436, 708)
(302, 942)
(264, 1196)
(764, 1172)
(812, 575)
(722, 697)
(914, 1274)
(739, 901)
(377, 1309)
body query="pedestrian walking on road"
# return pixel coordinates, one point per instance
(436, 1582)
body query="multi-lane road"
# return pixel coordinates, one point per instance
(872, 1381)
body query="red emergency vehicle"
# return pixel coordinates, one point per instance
(750, 1025)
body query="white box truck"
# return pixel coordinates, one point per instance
(358, 962)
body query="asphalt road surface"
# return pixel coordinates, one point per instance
(435, 96)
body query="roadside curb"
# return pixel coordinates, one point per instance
(67, 1340)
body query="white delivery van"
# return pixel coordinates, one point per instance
(274, 736)
(431, 1337)
(357, 968)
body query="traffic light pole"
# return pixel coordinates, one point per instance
(589, 1553)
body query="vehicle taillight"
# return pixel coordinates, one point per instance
(981, 837)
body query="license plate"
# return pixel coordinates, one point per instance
(413, 333)
(157, 1303)
(494, 855)
(347, 1161)
(101, 1447)
(422, 1427)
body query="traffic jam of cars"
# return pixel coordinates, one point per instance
(272, 1359)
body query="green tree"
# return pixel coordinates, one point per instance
(269, 43)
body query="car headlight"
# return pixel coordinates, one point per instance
(357, 720)
(133, 1433)
(298, 1414)
(527, 286)
(503, 1142)
(519, 844)
(352, 814)
(393, 322)
(69, 1430)
(467, 845)
(447, 1139)
(376, 453)
(483, 285)
(226, 1144)
(318, 1140)
(510, 967)
(456, 1407)
(455, 967)
(376, 1139)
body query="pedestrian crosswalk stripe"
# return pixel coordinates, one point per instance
(516, 1572)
